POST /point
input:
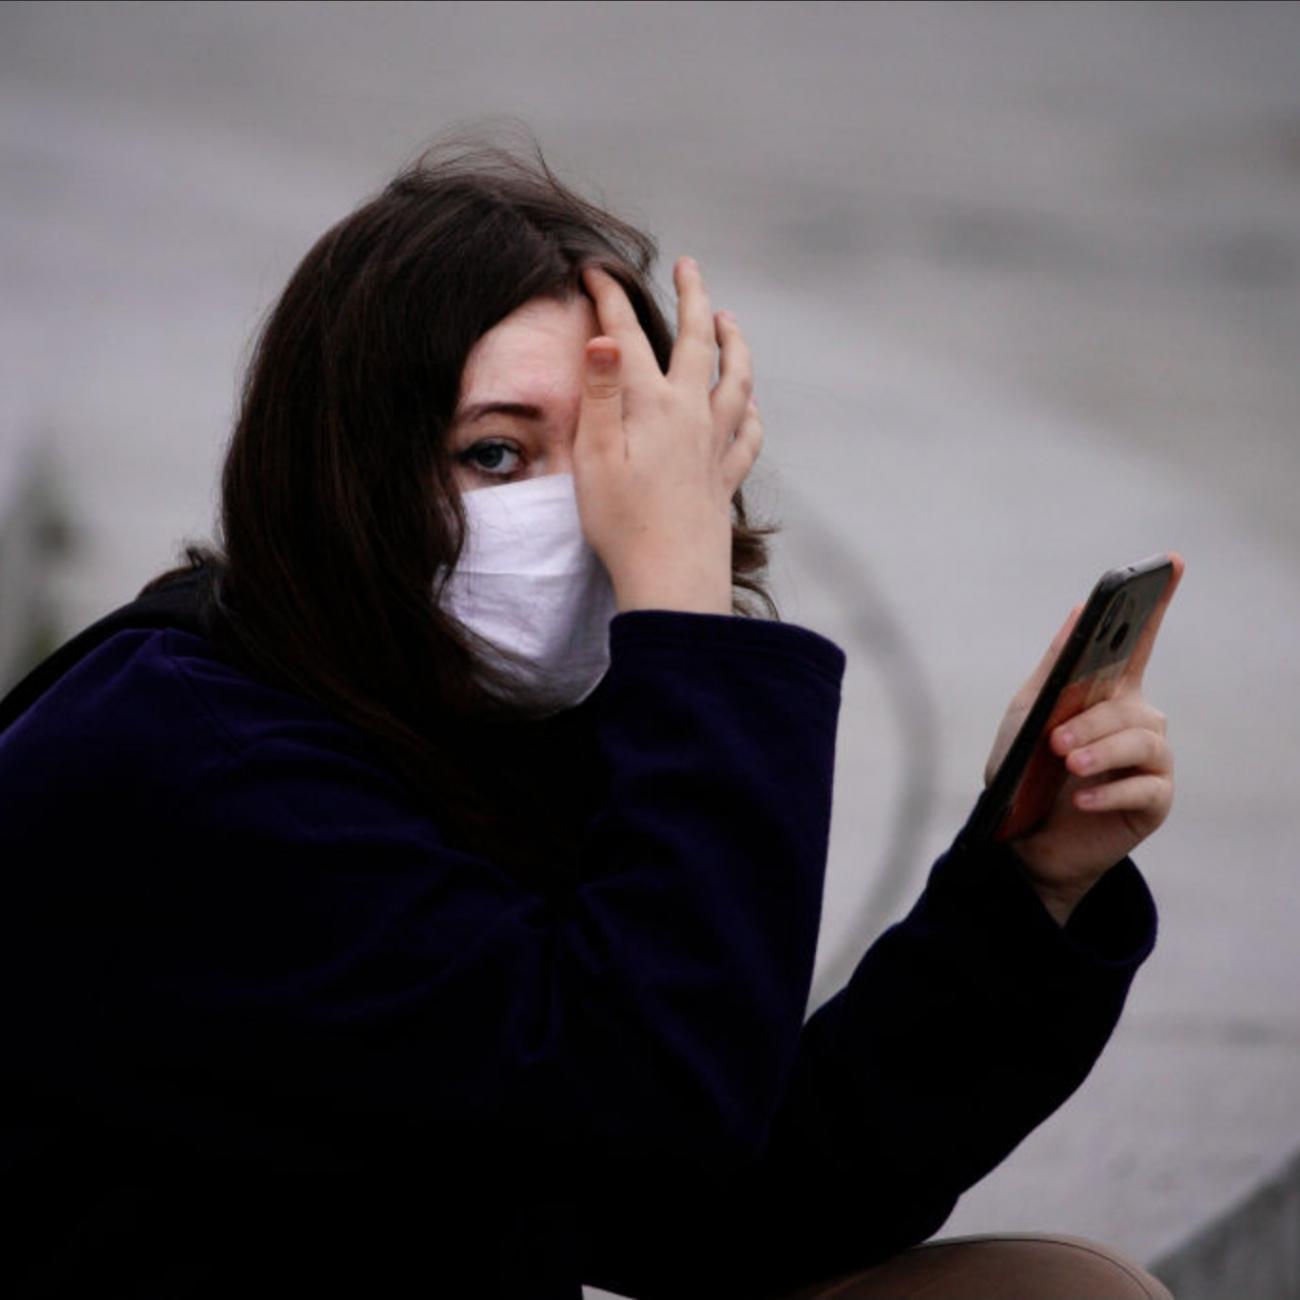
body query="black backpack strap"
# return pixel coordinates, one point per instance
(182, 602)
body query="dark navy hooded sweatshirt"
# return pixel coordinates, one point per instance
(268, 1030)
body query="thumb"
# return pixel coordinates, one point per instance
(601, 414)
(1036, 679)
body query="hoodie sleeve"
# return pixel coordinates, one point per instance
(292, 961)
(962, 1028)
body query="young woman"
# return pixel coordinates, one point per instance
(418, 894)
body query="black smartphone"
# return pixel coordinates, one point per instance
(1087, 671)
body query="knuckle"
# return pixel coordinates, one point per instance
(1083, 726)
(673, 399)
(746, 446)
(1106, 721)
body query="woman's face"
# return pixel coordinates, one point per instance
(520, 393)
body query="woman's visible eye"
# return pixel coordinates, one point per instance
(485, 458)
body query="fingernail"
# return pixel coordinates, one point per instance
(603, 356)
(1067, 739)
(1083, 760)
(690, 264)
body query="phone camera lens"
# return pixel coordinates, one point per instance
(1107, 619)
(1118, 639)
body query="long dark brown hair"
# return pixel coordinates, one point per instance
(340, 516)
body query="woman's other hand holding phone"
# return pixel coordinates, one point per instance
(1120, 784)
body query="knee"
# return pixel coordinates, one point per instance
(1016, 1266)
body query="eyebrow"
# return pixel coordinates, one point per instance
(477, 410)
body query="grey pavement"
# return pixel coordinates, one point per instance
(1023, 286)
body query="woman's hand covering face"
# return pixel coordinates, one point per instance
(658, 457)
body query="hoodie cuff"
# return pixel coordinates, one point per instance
(1113, 925)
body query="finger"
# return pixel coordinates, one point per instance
(1135, 748)
(1149, 794)
(1034, 683)
(618, 319)
(600, 413)
(743, 452)
(1137, 663)
(735, 386)
(695, 350)
(1119, 713)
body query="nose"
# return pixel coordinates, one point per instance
(560, 463)
(557, 458)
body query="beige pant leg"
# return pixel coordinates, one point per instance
(1018, 1266)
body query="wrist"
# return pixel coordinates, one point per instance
(694, 588)
(1058, 898)
(1060, 905)
(679, 599)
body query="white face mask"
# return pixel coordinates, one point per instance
(529, 581)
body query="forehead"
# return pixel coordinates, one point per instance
(537, 345)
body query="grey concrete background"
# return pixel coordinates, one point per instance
(1023, 285)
